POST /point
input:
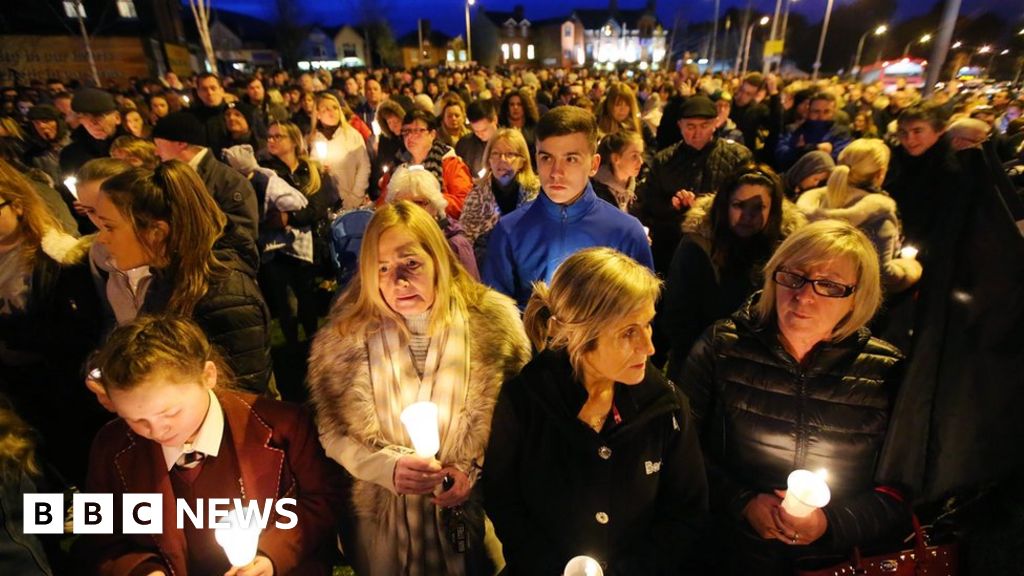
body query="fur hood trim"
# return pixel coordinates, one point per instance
(64, 248)
(697, 224)
(862, 207)
(342, 393)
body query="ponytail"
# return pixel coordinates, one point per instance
(838, 186)
(537, 317)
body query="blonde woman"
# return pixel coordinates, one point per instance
(345, 158)
(592, 450)
(794, 380)
(412, 326)
(508, 183)
(853, 194)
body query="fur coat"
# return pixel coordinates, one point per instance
(342, 393)
(874, 213)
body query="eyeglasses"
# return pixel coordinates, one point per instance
(413, 131)
(506, 156)
(276, 136)
(826, 288)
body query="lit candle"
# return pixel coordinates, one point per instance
(386, 168)
(909, 252)
(806, 491)
(376, 128)
(71, 183)
(185, 99)
(320, 149)
(420, 420)
(482, 172)
(583, 566)
(238, 540)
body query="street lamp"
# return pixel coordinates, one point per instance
(882, 29)
(821, 40)
(750, 34)
(924, 40)
(469, 33)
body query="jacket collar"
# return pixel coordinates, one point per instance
(570, 212)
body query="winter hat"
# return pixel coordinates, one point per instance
(181, 127)
(93, 101)
(698, 106)
(809, 164)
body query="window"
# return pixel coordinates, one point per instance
(517, 51)
(530, 55)
(504, 51)
(126, 9)
(348, 50)
(74, 9)
(567, 31)
(451, 55)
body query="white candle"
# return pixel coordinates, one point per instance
(376, 128)
(583, 566)
(72, 185)
(482, 172)
(320, 149)
(805, 492)
(239, 541)
(185, 99)
(909, 252)
(386, 168)
(420, 420)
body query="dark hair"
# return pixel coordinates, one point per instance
(566, 120)
(615, 143)
(423, 116)
(827, 96)
(205, 75)
(929, 113)
(755, 79)
(529, 107)
(481, 110)
(151, 343)
(723, 241)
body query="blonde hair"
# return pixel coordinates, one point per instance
(361, 308)
(859, 165)
(416, 181)
(821, 242)
(295, 135)
(139, 149)
(592, 289)
(526, 177)
(35, 219)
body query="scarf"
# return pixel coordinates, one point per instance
(434, 162)
(412, 528)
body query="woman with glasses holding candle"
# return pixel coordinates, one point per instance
(424, 148)
(412, 326)
(341, 150)
(592, 451)
(508, 183)
(794, 380)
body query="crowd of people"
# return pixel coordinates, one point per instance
(637, 300)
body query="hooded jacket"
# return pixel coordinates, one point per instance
(633, 496)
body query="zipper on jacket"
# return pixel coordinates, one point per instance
(801, 425)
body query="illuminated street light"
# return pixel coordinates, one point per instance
(881, 29)
(924, 40)
(764, 21)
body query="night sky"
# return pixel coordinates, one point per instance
(448, 15)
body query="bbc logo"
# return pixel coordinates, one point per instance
(142, 513)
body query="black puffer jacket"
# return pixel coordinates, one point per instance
(761, 415)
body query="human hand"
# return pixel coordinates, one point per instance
(459, 491)
(758, 513)
(825, 147)
(683, 199)
(798, 531)
(686, 89)
(260, 566)
(417, 475)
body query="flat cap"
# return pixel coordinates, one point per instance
(93, 101)
(44, 112)
(698, 106)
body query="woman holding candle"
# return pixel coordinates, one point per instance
(794, 380)
(592, 450)
(184, 432)
(854, 194)
(345, 157)
(412, 326)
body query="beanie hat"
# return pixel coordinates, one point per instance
(44, 112)
(181, 127)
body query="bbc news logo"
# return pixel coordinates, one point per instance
(142, 513)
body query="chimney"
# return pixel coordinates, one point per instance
(518, 12)
(613, 7)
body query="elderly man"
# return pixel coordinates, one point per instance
(968, 133)
(101, 123)
(698, 165)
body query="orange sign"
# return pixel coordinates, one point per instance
(64, 57)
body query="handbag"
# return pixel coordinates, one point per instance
(921, 560)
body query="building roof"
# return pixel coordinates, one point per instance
(437, 38)
(593, 19)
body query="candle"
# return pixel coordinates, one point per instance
(71, 183)
(482, 172)
(386, 168)
(185, 99)
(320, 149)
(909, 252)
(239, 540)
(583, 566)
(806, 491)
(376, 128)
(420, 420)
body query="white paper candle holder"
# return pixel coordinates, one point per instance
(583, 566)
(239, 540)
(420, 420)
(806, 491)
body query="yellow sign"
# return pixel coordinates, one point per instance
(64, 57)
(178, 59)
(773, 48)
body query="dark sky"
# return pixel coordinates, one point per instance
(449, 16)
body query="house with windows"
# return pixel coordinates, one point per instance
(350, 47)
(613, 36)
(504, 38)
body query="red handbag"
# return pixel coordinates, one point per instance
(921, 560)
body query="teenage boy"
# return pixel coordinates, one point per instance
(530, 242)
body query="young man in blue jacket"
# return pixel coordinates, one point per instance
(529, 243)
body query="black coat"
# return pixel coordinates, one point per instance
(235, 196)
(632, 496)
(83, 148)
(761, 415)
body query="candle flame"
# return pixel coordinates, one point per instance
(822, 473)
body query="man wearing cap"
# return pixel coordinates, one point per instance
(180, 136)
(100, 125)
(46, 138)
(695, 166)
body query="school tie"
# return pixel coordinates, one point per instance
(189, 460)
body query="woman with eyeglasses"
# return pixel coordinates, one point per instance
(424, 148)
(794, 380)
(508, 183)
